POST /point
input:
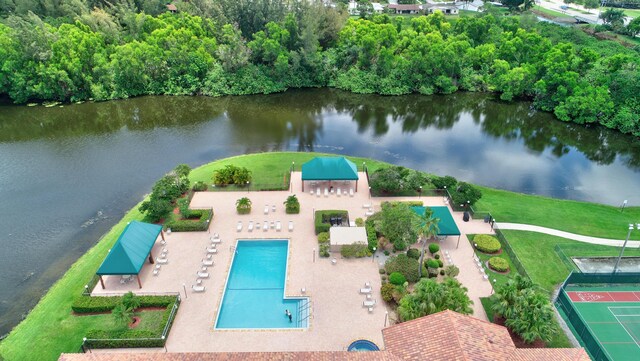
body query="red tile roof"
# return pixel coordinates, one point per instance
(446, 336)
(171, 7)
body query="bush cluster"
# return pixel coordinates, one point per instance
(200, 186)
(408, 267)
(498, 264)
(433, 248)
(356, 250)
(232, 174)
(292, 205)
(88, 304)
(486, 243)
(322, 221)
(386, 291)
(359, 222)
(323, 244)
(372, 235)
(164, 193)
(189, 225)
(442, 182)
(432, 263)
(397, 278)
(413, 253)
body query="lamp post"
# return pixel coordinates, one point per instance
(624, 204)
(373, 255)
(184, 287)
(386, 317)
(293, 166)
(631, 226)
(369, 192)
(420, 192)
(248, 187)
(314, 255)
(208, 229)
(493, 288)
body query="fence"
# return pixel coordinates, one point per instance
(506, 247)
(88, 344)
(571, 266)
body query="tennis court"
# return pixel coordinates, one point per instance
(608, 315)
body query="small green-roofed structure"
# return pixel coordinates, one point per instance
(131, 250)
(447, 226)
(329, 169)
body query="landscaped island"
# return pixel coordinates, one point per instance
(55, 329)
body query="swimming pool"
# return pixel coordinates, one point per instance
(254, 294)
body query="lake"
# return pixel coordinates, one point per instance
(69, 173)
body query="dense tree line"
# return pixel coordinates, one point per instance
(62, 51)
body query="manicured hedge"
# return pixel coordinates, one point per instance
(409, 203)
(88, 304)
(498, 264)
(434, 247)
(322, 215)
(397, 278)
(486, 243)
(323, 242)
(357, 250)
(187, 225)
(372, 235)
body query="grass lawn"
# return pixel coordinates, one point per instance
(590, 219)
(634, 13)
(548, 13)
(537, 254)
(149, 320)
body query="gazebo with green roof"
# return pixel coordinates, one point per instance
(446, 226)
(130, 251)
(329, 169)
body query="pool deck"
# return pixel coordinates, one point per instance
(338, 317)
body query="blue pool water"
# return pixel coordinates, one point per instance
(254, 294)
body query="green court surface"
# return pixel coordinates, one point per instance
(614, 325)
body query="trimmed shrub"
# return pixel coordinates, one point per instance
(451, 271)
(324, 249)
(440, 263)
(409, 203)
(372, 236)
(359, 222)
(486, 243)
(88, 304)
(441, 272)
(322, 222)
(323, 237)
(383, 277)
(189, 225)
(397, 278)
(432, 263)
(405, 265)
(292, 205)
(243, 205)
(382, 271)
(357, 250)
(436, 256)
(199, 186)
(413, 253)
(498, 264)
(433, 248)
(386, 253)
(387, 291)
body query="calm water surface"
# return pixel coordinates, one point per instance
(68, 174)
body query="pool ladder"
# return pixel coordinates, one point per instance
(232, 248)
(305, 307)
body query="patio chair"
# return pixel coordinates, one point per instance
(368, 213)
(265, 226)
(368, 303)
(266, 209)
(365, 291)
(198, 288)
(250, 226)
(212, 250)
(207, 262)
(216, 241)
(338, 192)
(202, 274)
(239, 226)
(290, 226)
(318, 192)
(350, 192)
(278, 226)
(273, 208)
(367, 285)
(156, 270)
(366, 205)
(326, 191)
(161, 260)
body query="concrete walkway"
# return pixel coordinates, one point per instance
(573, 236)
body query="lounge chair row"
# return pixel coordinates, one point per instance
(277, 225)
(328, 191)
(368, 303)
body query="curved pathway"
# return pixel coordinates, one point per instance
(573, 236)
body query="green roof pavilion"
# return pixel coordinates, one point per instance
(329, 169)
(447, 226)
(131, 250)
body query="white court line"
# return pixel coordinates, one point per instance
(621, 324)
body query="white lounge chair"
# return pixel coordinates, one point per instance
(367, 205)
(367, 285)
(278, 226)
(198, 288)
(368, 303)
(365, 291)
(350, 192)
(368, 213)
(207, 262)
(318, 192)
(250, 226)
(266, 209)
(216, 241)
(290, 226)
(161, 260)
(203, 274)
(338, 192)
(212, 250)
(311, 191)
(239, 226)
(265, 226)
(326, 191)
(273, 208)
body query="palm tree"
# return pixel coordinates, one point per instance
(509, 295)
(534, 317)
(243, 205)
(292, 205)
(429, 297)
(122, 314)
(428, 229)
